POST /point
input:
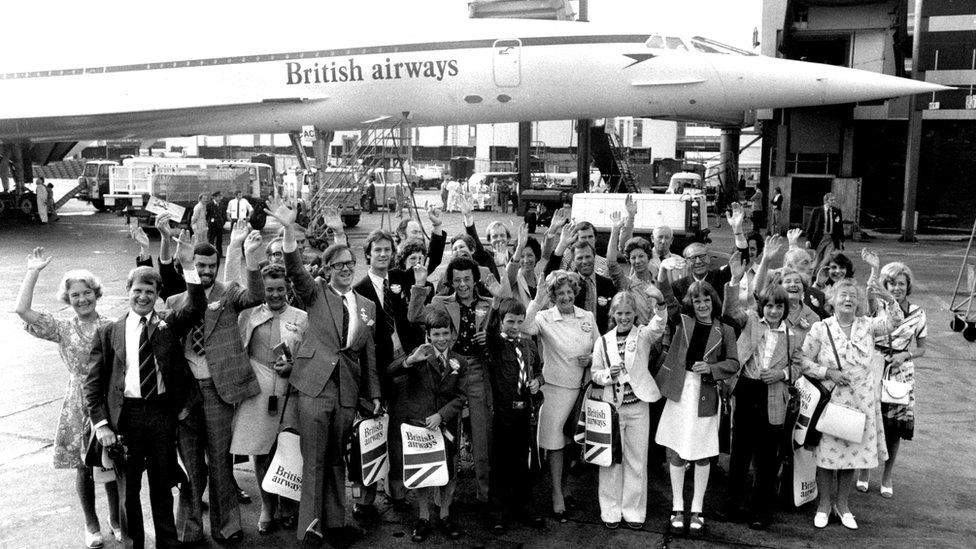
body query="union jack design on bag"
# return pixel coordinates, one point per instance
(367, 457)
(424, 457)
(602, 443)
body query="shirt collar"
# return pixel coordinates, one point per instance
(377, 279)
(338, 293)
(781, 328)
(134, 318)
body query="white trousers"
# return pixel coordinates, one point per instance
(623, 487)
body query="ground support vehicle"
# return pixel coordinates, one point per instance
(94, 183)
(686, 214)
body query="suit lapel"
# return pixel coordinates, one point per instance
(335, 305)
(454, 309)
(118, 338)
(257, 316)
(714, 339)
(210, 316)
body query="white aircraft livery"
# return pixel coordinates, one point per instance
(477, 71)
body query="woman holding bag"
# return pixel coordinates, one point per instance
(567, 334)
(702, 352)
(841, 350)
(620, 361)
(898, 418)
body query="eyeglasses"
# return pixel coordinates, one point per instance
(343, 265)
(700, 258)
(276, 254)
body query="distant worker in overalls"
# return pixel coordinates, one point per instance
(371, 194)
(42, 193)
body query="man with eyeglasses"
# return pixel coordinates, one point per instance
(334, 366)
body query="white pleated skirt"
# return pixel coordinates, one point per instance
(682, 430)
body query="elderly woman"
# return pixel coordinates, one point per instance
(567, 333)
(524, 268)
(801, 261)
(264, 330)
(800, 317)
(703, 352)
(841, 350)
(75, 337)
(620, 360)
(899, 356)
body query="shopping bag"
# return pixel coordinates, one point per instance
(843, 422)
(602, 440)
(804, 477)
(424, 457)
(813, 397)
(105, 472)
(367, 460)
(284, 475)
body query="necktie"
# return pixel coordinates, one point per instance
(345, 321)
(830, 221)
(388, 308)
(196, 339)
(591, 296)
(523, 379)
(147, 363)
(444, 365)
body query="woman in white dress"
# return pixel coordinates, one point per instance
(703, 352)
(854, 375)
(263, 330)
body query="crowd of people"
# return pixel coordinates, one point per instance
(497, 348)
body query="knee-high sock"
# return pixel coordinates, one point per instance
(701, 483)
(677, 487)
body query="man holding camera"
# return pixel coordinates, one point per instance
(137, 387)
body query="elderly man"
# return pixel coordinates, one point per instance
(699, 261)
(663, 236)
(825, 231)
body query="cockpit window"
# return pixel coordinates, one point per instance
(675, 43)
(708, 45)
(655, 41)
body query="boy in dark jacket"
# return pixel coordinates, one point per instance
(515, 371)
(433, 396)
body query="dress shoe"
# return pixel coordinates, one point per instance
(847, 519)
(116, 532)
(265, 527)
(561, 517)
(820, 520)
(242, 497)
(498, 527)
(450, 529)
(635, 525)
(862, 486)
(94, 539)
(233, 538)
(421, 531)
(887, 492)
(612, 525)
(535, 521)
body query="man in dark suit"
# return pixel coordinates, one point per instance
(215, 223)
(825, 228)
(597, 290)
(395, 337)
(137, 387)
(224, 377)
(334, 367)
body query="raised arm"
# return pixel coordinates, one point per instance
(36, 262)
(735, 218)
(254, 294)
(418, 295)
(567, 237)
(614, 269)
(438, 238)
(303, 282)
(892, 315)
(732, 306)
(234, 263)
(771, 250)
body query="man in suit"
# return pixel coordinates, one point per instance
(469, 315)
(215, 223)
(395, 337)
(334, 367)
(219, 364)
(137, 387)
(597, 290)
(825, 228)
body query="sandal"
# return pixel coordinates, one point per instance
(696, 524)
(676, 524)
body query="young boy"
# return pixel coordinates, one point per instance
(516, 376)
(432, 396)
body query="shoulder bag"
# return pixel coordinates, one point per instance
(284, 476)
(894, 391)
(838, 420)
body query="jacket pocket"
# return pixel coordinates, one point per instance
(305, 352)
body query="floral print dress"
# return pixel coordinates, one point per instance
(75, 339)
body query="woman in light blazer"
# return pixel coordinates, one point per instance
(620, 365)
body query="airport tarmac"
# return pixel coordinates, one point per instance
(934, 482)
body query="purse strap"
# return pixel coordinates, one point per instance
(830, 335)
(284, 406)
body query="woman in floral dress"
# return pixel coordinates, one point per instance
(855, 385)
(75, 337)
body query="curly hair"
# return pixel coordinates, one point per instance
(461, 264)
(557, 279)
(78, 275)
(638, 243)
(407, 249)
(891, 271)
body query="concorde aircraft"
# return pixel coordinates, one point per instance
(351, 75)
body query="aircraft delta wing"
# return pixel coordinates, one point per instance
(478, 71)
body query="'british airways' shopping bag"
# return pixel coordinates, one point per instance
(602, 441)
(366, 454)
(424, 457)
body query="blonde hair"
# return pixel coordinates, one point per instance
(560, 278)
(891, 271)
(78, 275)
(620, 298)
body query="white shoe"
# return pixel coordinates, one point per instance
(887, 492)
(820, 519)
(862, 486)
(847, 519)
(93, 540)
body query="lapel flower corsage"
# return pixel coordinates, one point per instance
(395, 288)
(214, 306)
(366, 320)
(455, 366)
(161, 324)
(631, 346)
(291, 326)
(602, 301)
(804, 324)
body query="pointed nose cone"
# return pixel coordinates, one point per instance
(840, 84)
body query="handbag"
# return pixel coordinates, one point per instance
(894, 391)
(839, 420)
(284, 475)
(366, 455)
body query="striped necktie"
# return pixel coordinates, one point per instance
(523, 375)
(388, 308)
(147, 363)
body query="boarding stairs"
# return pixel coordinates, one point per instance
(611, 160)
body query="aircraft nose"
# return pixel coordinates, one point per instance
(837, 84)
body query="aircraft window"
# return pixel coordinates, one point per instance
(675, 43)
(655, 41)
(711, 46)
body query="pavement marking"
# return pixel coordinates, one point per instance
(31, 407)
(47, 440)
